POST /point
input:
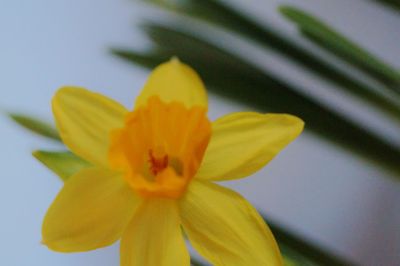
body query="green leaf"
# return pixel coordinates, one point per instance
(395, 4)
(300, 251)
(35, 125)
(287, 262)
(196, 262)
(231, 76)
(225, 16)
(333, 41)
(64, 164)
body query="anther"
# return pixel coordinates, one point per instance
(157, 164)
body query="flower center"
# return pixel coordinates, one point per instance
(157, 164)
(160, 147)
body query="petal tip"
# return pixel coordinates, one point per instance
(300, 124)
(67, 89)
(292, 120)
(61, 93)
(174, 81)
(46, 243)
(295, 123)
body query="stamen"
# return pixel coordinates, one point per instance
(157, 164)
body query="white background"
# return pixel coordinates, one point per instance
(312, 187)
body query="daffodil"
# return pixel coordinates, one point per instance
(153, 174)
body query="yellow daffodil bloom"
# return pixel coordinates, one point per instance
(153, 174)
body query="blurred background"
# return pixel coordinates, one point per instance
(336, 187)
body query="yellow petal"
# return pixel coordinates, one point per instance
(224, 228)
(84, 120)
(242, 143)
(174, 81)
(90, 212)
(154, 237)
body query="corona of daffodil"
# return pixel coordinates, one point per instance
(153, 174)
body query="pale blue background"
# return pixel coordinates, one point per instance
(312, 187)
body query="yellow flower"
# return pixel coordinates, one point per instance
(153, 172)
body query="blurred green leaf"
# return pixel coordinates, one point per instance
(35, 125)
(223, 15)
(231, 76)
(64, 164)
(395, 4)
(195, 262)
(324, 35)
(300, 251)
